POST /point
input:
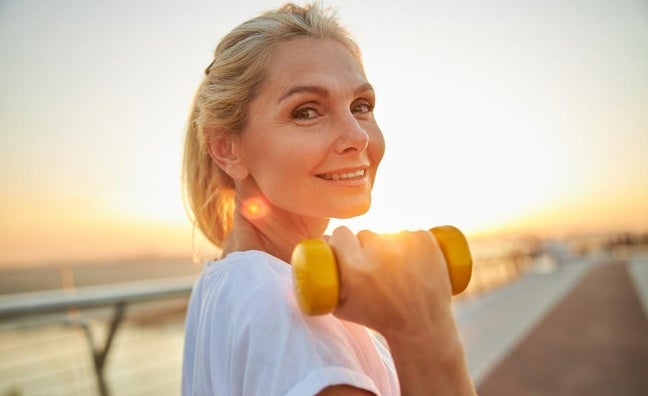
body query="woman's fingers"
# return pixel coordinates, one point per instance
(389, 278)
(343, 239)
(347, 251)
(367, 237)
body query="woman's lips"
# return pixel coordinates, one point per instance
(350, 175)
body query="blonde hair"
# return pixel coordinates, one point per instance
(220, 105)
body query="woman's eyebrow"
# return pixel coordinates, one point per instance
(314, 89)
(363, 88)
(304, 88)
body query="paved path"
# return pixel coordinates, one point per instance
(578, 330)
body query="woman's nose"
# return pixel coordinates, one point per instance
(352, 137)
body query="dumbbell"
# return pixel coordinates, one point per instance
(315, 272)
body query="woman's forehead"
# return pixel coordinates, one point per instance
(310, 62)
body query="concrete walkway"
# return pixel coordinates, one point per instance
(579, 329)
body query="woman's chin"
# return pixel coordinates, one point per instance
(351, 211)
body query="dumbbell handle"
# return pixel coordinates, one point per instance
(316, 278)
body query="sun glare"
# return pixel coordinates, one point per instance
(517, 129)
(255, 208)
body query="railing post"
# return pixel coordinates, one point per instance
(115, 295)
(99, 354)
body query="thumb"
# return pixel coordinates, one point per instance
(347, 250)
(343, 242)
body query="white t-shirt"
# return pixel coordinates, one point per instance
(245, 335)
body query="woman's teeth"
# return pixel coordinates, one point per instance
(342, 176)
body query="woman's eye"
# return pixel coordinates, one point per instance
(304, 113)
(362, 106)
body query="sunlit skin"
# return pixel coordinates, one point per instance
(255, 208)
(310, 151)
(310, 148)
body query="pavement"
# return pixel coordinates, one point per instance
(578, 328)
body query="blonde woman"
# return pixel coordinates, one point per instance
(281, 138)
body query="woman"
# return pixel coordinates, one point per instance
(281, 138)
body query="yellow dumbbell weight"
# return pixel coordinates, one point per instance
(316, 279)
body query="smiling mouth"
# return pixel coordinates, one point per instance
(343, 175)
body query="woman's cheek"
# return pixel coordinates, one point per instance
(378, 143)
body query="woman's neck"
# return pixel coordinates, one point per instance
(277, 232)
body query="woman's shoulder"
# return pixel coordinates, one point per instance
(253, 276)
(250, 266)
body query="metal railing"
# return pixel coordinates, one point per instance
(490, 272)
(117, 296)
(65, 307)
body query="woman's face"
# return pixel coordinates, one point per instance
(311, 144)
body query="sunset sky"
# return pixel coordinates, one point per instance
(500, 117)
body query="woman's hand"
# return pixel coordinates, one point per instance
(398, 285)
(392, 282)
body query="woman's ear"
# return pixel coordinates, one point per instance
(224, 150)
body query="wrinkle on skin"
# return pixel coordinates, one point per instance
(310, 149)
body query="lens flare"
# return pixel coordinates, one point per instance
(255, 208)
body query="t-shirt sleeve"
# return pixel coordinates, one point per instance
(279, 349)
(259, 343)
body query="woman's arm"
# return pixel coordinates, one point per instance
(431, 363)
(398, 285)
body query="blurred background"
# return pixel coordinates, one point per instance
(525, 124)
